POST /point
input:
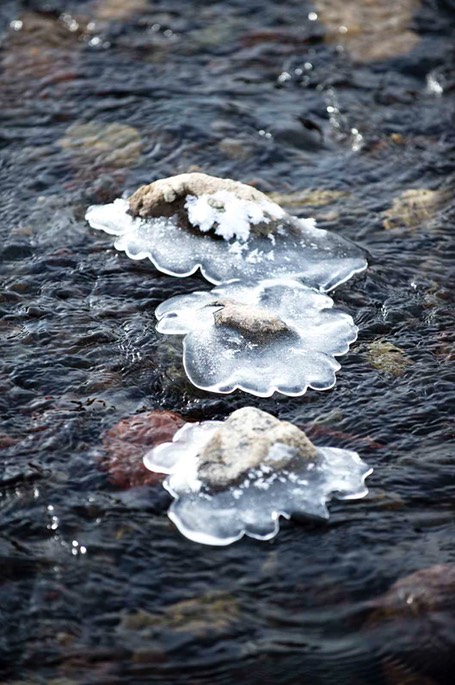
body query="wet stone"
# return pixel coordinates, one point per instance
(413, 208)
(388, 358)
(246, 441)
(255, 322)
(108, 145)
(119, 10)
(126, 443)
(415, 620)
(212, 613)
(319, 197)
(370, 30)
(429, 589)
(235, 148)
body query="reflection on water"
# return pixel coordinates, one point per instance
(100, 96)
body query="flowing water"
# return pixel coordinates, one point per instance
(344, 111)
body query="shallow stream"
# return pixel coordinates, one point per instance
(341, 110)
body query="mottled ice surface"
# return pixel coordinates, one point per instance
(221, 359)
(254, 505)
(321, 259)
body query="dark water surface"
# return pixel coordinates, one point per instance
(98, 97)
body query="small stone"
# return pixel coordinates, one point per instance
(413, 208)
(107, 145)
(245, 441)
(429, 589)
(235, 148)
(318, 197)
(388, 358)
(256, 322)
(7, 441)
(417, 617)
(203, 616)
(119, 10)
(126, 443)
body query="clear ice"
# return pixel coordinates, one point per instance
(297, 249)
(253, 506)
(219, 358)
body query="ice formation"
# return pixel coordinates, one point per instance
(227, 229)
(283, 478)
(276, 335)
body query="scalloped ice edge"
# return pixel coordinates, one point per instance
(121, 206)
(210, 427)
(297, 276)
(274, 389)
(336, 366)
(205, 539)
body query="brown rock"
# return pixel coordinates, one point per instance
(370, 30)
(413, 208)
(119, 10)
(256, 322)
(244, 442)
(429, 589)
(167, 196)
(414, 622)
(203, 616)
(388, 358)
(112, 145)
(319, 197)
(126, 443)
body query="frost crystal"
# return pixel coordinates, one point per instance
(230, 217)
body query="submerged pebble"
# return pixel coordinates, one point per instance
(125, 444)
(388, 358)
(238, 477)
(370, 30)
(414, 620)
(105, 145)
(413, 208)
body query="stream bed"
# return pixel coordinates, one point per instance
(344, 111)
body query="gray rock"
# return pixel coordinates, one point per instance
(250, 439)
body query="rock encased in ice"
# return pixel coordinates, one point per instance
(245, 441)
(198, 201)
(226, 487)
(273, 336)
(255, 322)
(227, 229)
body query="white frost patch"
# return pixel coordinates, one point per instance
(112, 218)
(252, 506)
(229, 216)
(434, 85)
